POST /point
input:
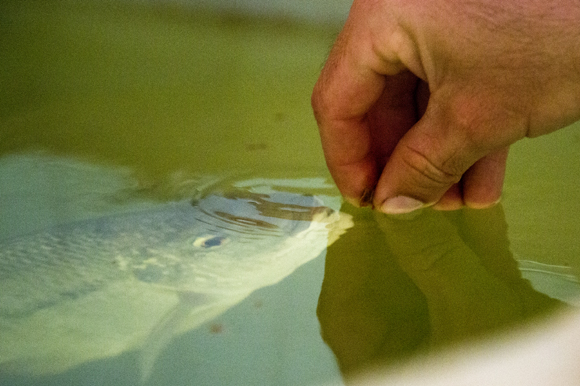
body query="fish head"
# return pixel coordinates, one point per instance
(240, 241)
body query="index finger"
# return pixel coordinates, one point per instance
(340, 100)
(349, 87)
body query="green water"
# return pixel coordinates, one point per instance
(158, 89)
(168, 94)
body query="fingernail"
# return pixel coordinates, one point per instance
(366, 199)
(401, 204)
(475, 205)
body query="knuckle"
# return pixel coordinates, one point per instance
(427, 174)
(317, 101)
(322, 100)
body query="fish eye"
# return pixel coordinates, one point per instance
(209, 241)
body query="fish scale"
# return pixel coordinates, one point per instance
(153, 245)
(114, 272)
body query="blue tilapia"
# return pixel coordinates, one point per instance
(98, 287)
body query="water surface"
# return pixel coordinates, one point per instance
(164, 95)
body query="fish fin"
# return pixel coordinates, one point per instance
(192, 310)
(160, 337)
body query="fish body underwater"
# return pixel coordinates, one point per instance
(96, 288)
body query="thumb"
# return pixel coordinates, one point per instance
(429, 159)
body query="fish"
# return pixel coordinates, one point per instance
(95, 288)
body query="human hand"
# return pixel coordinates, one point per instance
(419, 101)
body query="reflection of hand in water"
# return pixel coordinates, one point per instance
(462, 264)
(420, 283)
